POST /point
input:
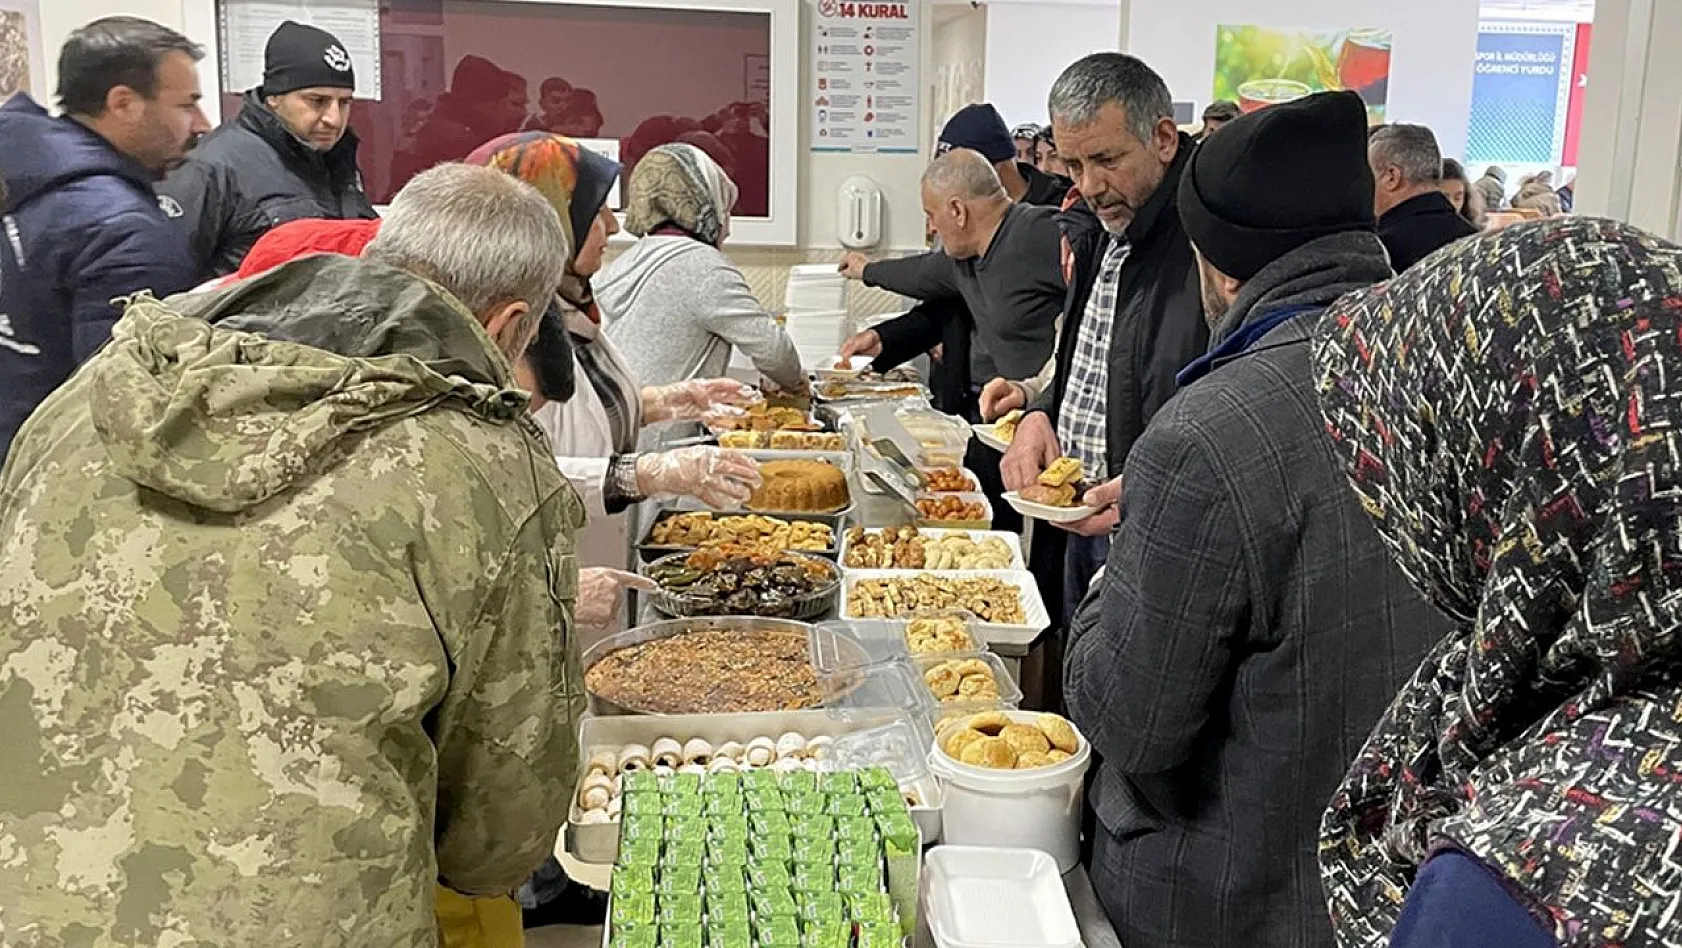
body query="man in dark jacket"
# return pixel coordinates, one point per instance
(1133, 317)
(82, 225)
(288, 155)
(944, 320)
(1250, 627)
(1415, 220)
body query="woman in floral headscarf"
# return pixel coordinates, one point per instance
(1511, 416)
(675, 293)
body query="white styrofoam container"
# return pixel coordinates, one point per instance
(993, 633)
(1012, 540)
(982, 897)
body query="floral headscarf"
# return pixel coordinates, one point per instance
(1511, 415)
(574, 179)
(678, 185)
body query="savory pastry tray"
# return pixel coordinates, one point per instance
(599, 842)
(1012, 540)
(1037, 619)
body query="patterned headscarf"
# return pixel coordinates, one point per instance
(574, 179)
(680, 186)
(1511, 415)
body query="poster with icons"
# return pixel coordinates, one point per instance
(864, 88)
(245, 27)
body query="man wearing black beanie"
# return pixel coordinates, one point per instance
(290, 154)
(1250, 628)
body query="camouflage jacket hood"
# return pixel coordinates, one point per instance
(226, 421)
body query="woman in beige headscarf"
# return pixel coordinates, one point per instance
(674, 303)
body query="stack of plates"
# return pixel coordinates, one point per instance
(815, 288)
(818, 335)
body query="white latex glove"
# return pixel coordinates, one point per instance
(695, 399)
(723, 480)
(599, 596)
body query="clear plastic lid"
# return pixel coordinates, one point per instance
(840, 646)
(958, 670)
(867, 691)
(901, 746)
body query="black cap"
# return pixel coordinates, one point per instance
(978, 128)
(303, 57)
(1274, 180)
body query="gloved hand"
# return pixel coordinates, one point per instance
(599, 595)
(720, 479)
(695, 399)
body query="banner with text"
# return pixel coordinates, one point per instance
(1521, 92)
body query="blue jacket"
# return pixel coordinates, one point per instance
(82, 226)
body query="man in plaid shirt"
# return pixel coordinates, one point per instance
(1133, 317)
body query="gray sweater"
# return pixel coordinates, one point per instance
(674, 306)
(1014, 291)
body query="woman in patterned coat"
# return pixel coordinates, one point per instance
(1511, 416)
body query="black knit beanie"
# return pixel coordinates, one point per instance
(1276, 179)
(303, 57)
(978, 128)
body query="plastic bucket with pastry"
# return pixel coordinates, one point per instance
(1037, 808)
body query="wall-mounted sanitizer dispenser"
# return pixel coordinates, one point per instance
(859, 217)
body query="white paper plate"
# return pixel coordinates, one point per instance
(989, 436)
(834, 368)
(992, 633)
(1046, 512)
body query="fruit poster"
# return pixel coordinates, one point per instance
(1259, 66)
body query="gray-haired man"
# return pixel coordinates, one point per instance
(1134, 314)
(1414, 218)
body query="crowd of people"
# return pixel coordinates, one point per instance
(307, 514)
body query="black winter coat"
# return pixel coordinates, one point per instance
(252, 175)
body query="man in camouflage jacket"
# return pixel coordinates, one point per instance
(285, 621)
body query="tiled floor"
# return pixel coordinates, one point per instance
(565, 936)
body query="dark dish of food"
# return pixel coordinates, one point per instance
(736, 580)
(711, 671)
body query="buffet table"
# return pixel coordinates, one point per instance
(871, 511)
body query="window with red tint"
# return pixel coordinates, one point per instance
(458, 73)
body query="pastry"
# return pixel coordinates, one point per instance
(710, 671)
(1062, 495)
(697, 751)
(989, 723)
(1025, 738)
(948, 480)
(791, 745)
(978, 687)
(595, 797)
(933, 635)
(1063, 471)
(787, 765)
(668, 753)
(959, 739)
(986, 597)
(1005, 427)
(1057, 756)
(1031, 759)
(992, 752)
(800, 486)
(943, 680)
(731, 750)
(603, 761)
(633, 757)
(614, 806)
(695, 769)
(761, 751)
(1059, 732)
(703, 528)
(596, 816)
(818, 748)
(744, 440)
(723, 765)
(807, 441)
(950, 508)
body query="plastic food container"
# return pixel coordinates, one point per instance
(1028, 809)
(983, 897)
(942, 438)
(974, 497)
(1010, 693)
(1037, 619)
(1012, 540)
(903, 749)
